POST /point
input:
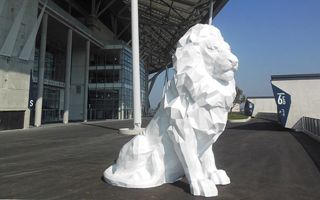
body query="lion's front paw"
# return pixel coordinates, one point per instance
(219, 177)
(203, 187)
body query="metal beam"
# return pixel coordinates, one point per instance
(114, 23)
(122, 10)
(97, 7)
(123, 30)
(9, 43)
(93, 7)
(74, 4)
(105, 8)
(160, 35)
(173, 9)
(159, 2)
(185, 2)
(59, 14)
(2, 2)
(159, 14)
(29, 45)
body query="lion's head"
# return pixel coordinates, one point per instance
(218, 59)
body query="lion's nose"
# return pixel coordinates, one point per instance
(234, 61)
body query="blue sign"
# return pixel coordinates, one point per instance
(248, 108)
(283, 101)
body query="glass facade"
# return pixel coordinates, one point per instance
(110, 84)
(54, 64)
(53, 90)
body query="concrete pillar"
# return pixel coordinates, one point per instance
(43, 44)
(67, 78)
(86, 82)
(136, 65)
(26, 119)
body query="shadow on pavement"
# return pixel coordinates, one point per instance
(182, 184)
(311, 146)
(101, 126)
(262, 122)
(271, 117)
(260, 126)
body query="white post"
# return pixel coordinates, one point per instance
(43, 44)
(210, 12)
(86, 80)
(122, 110)
(136, 65)
(67, 79)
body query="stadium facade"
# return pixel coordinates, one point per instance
(67, 60)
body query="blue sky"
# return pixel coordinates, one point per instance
(268, 37)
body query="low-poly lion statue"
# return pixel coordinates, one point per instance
(192, 115)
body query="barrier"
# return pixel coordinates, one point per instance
(310, 126)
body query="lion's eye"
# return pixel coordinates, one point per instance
(212, 47)
(209, 46)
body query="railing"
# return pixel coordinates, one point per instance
(311, 126)
(51, 115)
(100, 114)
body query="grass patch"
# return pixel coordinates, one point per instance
(235, 116)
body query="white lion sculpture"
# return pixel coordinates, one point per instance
(192, 115)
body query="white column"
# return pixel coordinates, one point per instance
(86, 82)
(136, 65)
(210, 12)
(67, 79)
(147, 106)
(43, 44)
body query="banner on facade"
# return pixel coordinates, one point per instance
(283, 101)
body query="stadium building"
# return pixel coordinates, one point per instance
(73, 60)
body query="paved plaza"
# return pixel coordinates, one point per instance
(263, 160)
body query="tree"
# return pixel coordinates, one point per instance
(240, 97)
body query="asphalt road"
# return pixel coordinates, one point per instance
(263, 161)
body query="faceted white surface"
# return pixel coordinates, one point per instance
(192, 115)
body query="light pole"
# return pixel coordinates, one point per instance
(136, 72)
(210, 12)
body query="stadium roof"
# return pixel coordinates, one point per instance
(161, 23)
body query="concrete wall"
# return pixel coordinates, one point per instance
(305, 98)
(77, 82)
(15, 73)
(14, 84)
(263, 105)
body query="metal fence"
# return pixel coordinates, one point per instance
(311, 126)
